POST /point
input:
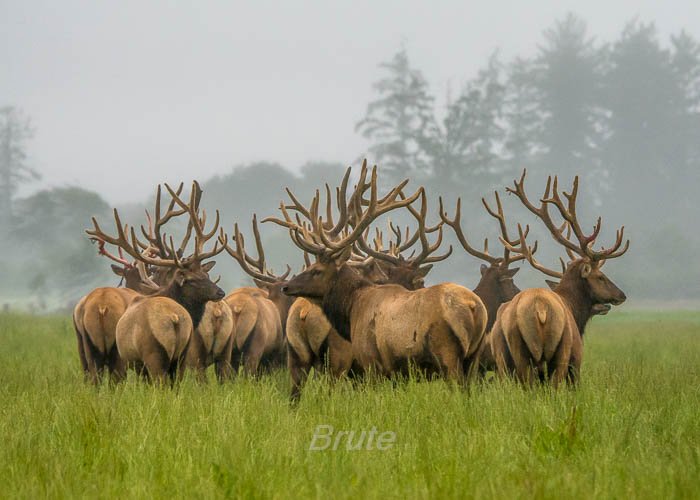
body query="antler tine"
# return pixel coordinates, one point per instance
(585, 241)
(197, 222)
(500, 217)
(528, 253)
(374, 210)
(101, 250)
(378, 251)
(253, 267)
(341, 195)
(456, 225)
(296, 204)
(132, 247)
(542, 212)
(426, 249)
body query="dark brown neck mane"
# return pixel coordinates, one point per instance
(195, 307)
(337, 304)
(573, 289)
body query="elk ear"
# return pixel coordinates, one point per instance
(512, 272)
(586, 269)
(423, 271)
(208, 266)
(551, 284)
(261, 284)
(342, 257)
(484, 268)
(119, 271)
(179, 277)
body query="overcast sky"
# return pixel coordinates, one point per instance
(126, 94)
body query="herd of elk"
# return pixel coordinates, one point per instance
(361, 306)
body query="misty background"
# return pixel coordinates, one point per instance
(99, 103)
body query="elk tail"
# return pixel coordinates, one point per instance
(540, 326)
(466, 317)
(297, 334)
(102, 319)
(245, 317)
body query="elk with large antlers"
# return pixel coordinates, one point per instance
(389, 326)
(496, 285)
(259, 314)
(312, 340)
(538, 335)
(96, 315)
(154, 331)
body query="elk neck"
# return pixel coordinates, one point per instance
(574, 290)
(488, 291)
(337, 303)
(194, 307)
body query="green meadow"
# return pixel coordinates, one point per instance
(630, 430)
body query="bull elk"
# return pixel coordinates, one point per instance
(312, 339)
(96, 315)
(389, 326)
(154, 331)
(259, 314)
(496, 285)
(538, 335)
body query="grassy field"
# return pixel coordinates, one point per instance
(631, 430)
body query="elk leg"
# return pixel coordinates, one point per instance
(448, 353)
(339, 355)
(158, 364)
(575, 359)
(486, 358)
(560, 361)
(298, 372)
(95, 360)
(81, 349)
(252, 357)
(223, 365)
(501, 354)
(525, 372)
(116, 365)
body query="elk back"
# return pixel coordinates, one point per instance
(150, 324)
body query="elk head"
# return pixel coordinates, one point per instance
(582, 281)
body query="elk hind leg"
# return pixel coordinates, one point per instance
(116, 365)
(525, 370)
(158, 364)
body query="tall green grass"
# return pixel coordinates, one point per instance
(632, 428)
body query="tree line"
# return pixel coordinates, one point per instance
(623, 114)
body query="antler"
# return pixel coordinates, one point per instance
(393, 255)
(253, 267)
(127, 240)
(568, 213)
(153, 235)
(527, 252)
(314, 237)
(456, 225)
(198, 223)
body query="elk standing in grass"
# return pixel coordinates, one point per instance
(154, 331)
(389, 327)
(259, 314)
(538, 335)
(496, 285)
(96, 315)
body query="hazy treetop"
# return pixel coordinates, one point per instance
(152, 91)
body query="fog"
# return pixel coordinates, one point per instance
(250, 97)
(156, 90)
